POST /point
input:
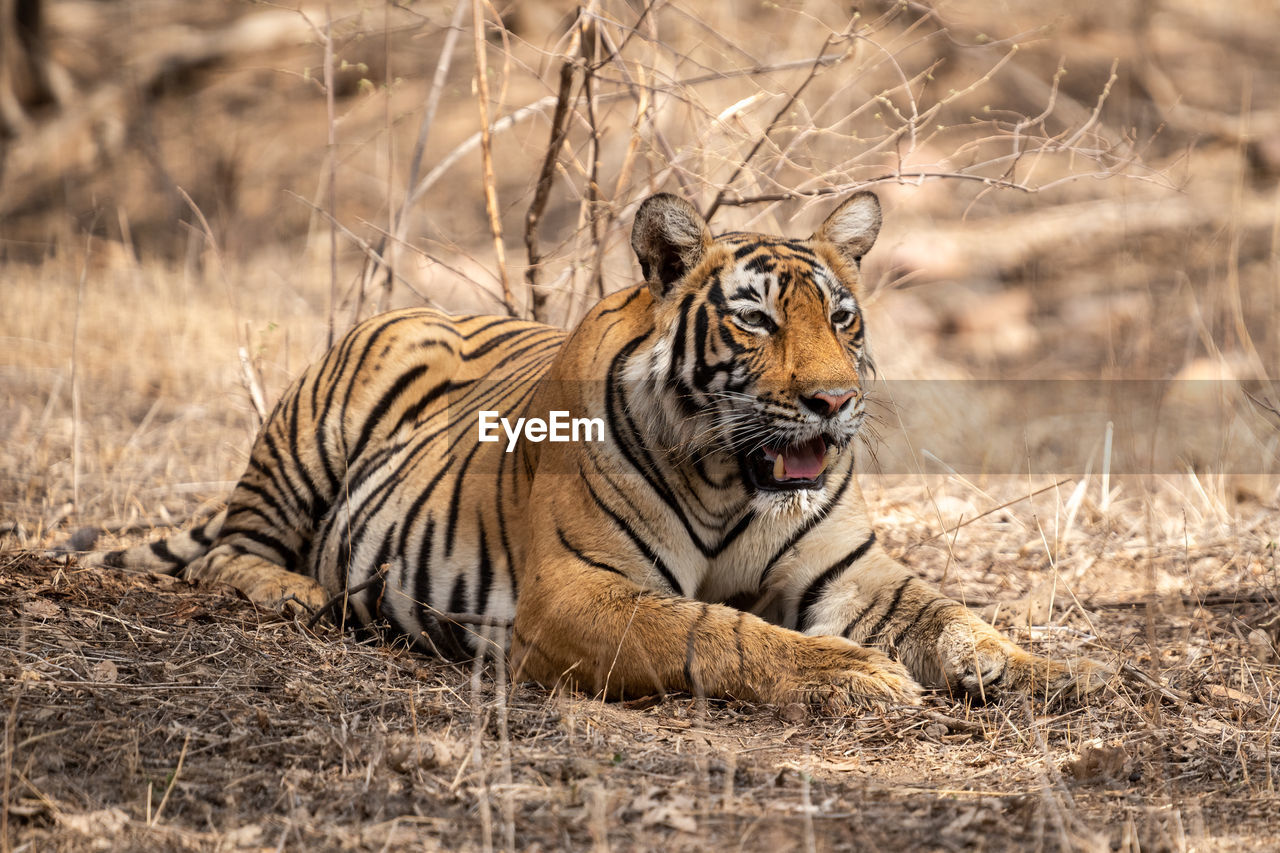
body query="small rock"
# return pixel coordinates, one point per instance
(41, 608)
(1260, 645)
(935, 730)
(793, 712)
(104, 672)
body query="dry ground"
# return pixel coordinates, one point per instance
(140, 713)
(149, 715)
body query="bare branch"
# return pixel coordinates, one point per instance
(559, 130)
(343, 597)
(400, 225)
(250, 379)
(486, 155)
(814, 70)
(332, 191)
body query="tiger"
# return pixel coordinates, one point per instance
(713, 541)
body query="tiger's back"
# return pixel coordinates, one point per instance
(369, 468)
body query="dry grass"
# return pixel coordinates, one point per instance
(143, 714)
(253, 732)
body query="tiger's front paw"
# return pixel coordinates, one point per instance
(262, 582)
(835, 675)
(988, 666)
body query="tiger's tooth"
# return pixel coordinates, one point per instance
(822, 466)
(779, 467)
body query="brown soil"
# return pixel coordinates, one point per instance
(146, 714)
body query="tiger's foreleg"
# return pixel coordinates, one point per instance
(603, 633)
(940, 641)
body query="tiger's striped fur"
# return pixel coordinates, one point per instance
(730, 386)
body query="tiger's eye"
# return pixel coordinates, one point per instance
(841, 317)
(753, 317)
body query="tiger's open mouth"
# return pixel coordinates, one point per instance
(777, 468)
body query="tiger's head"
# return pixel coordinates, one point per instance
(759, 347)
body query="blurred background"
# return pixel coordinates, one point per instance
(195, 198)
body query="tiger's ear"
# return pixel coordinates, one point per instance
(669, 238)
(853, 226)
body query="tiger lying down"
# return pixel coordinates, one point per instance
(728, 388)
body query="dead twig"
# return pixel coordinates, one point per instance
(1136, 676)
(1263, 403)
(331, 193)
(486, 156)
(173, 780)
(250, 378)
(895, 177)
(400, 225)
(954, 724)
(371, 254)
(528, 111)
(559, 130)
(815, 69)
(10, 741)
(966, 522)
(1213, 599)
(346, 594)
(473, 619)
(75, 375)
(252, 387)
(593, 202)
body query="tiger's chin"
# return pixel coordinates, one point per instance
(800, 502)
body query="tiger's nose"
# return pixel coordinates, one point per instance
(827, 403)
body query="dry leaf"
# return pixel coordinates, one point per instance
(1260, 646)
(1100, 764)
(249, 835)
(104, 672)
(41, 608)
(100, 824)
(1224, 693)
(660, 807)
(442, 751)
